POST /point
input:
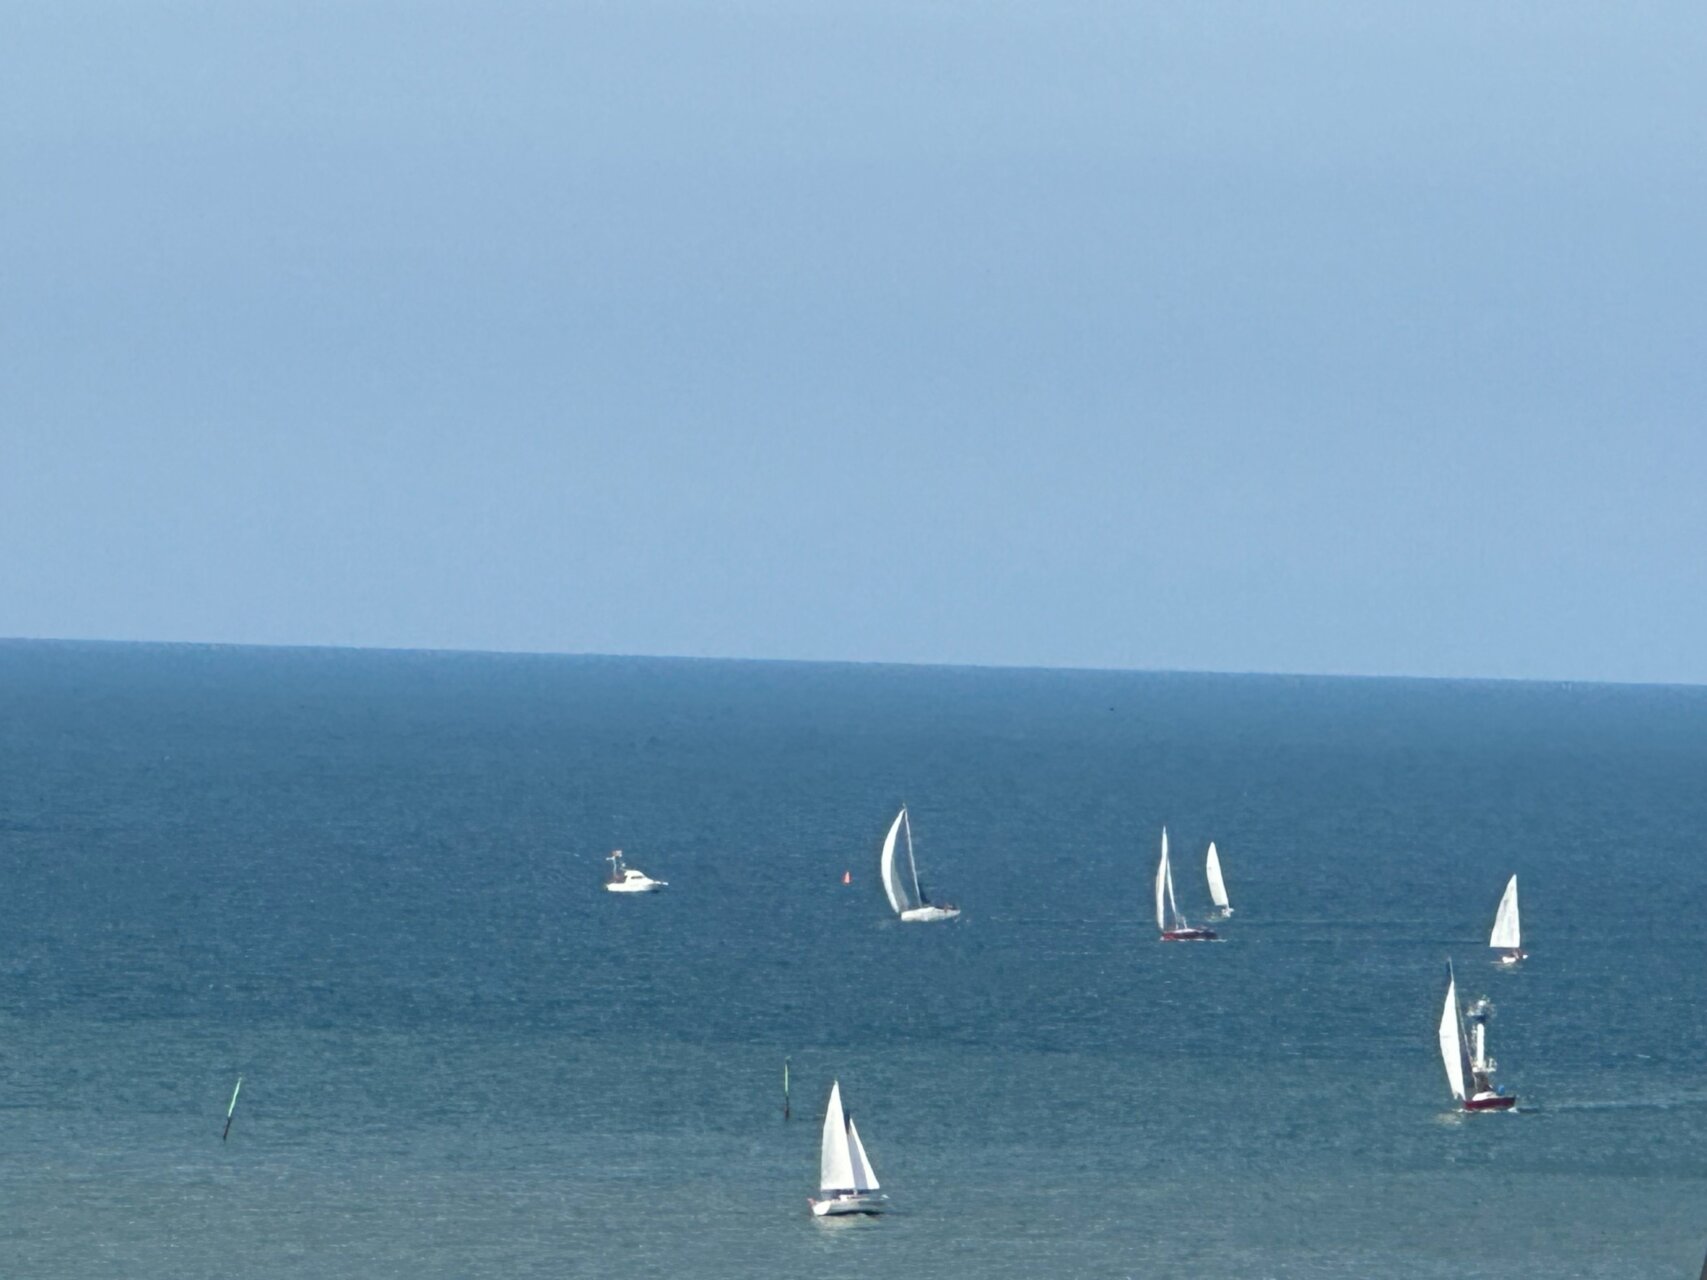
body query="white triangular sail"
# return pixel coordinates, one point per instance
(1508, 933)
(1168, 869)
(899, 882)
(1161, 883)
(1217, 886)
(864, 1178)
(835, 1163)
(1451, 1043)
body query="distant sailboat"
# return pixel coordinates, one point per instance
(901, 883)
(1508, 932)
(846, 1181)
(1469, 1069)
(1168, 919)
(231, 1110)
(626, 879)
(1217, 886)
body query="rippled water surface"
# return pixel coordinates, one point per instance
(369, 882)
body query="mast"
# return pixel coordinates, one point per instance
(907, 823)
(1173, 906)
(1463, 1031)
(1161, 874)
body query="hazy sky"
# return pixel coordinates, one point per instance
(1302, 337)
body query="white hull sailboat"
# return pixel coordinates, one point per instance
(1217, 886)
(846, 1181)
(1168, 919)
(626, 879)
(1469, 1069)
(1508, 929)
(901, 883)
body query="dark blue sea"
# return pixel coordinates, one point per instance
(370, 883)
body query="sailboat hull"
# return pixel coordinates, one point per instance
(1491, 1102)
(1512, 957)
(925, 915)
(867, 1203)
(1190, 935)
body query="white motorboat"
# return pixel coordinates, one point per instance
(1217, 886)
(902, 883)
(1168, 918)
(1508, 929)
(846, 1181)
(626, 879)
(1469, 1069)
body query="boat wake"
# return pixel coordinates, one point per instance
(1680, 1103)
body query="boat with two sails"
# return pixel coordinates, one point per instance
(1464, 1050)
(846, 1181)
(1174, 926)
(901, 877)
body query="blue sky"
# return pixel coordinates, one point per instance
(1353, 338)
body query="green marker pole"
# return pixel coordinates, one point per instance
(229, 1111)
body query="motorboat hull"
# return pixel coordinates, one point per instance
(634, 886)
(1190, 935)
(858, 1202)
(1491, 1102)
(925, 915)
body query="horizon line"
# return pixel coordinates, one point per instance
(1088, 669)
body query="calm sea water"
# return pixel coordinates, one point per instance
(370, 883)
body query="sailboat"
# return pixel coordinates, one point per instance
(846, 1182)
(1471, 1074)
(1172, 924)
(626, 879)
(1217, 886)
(902, 883)
(1508, 932)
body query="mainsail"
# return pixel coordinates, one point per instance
(864, 1179)
(1451, 1043)
(1217, 886)
(1162, 882)
(899, 882)
(835, 1162)
(1508, 934)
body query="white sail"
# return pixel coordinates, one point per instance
(897, 882)
(864, 1178)
(1168, 868)
(1161, 882)
(1217, 886)
(835, 1164)
(1508, 934)
(1451, 1044)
